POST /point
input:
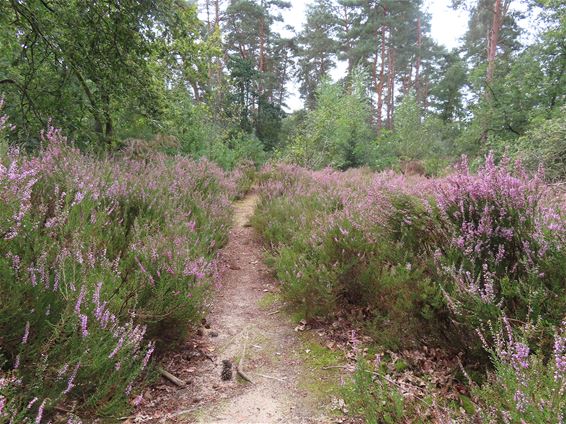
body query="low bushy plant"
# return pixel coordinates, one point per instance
(99, 260)
(524, 386)
(430, 261)
(375, 398)
(506, 239)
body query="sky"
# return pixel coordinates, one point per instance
(447, 27)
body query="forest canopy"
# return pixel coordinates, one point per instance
(212, 79)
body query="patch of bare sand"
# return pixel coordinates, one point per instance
(237, 322)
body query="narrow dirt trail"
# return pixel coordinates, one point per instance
(241, 319)
(271, 346)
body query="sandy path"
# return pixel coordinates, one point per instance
(271, 344)
(239, 317)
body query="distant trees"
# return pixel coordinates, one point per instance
(336, 132)
(509, 86)
(258, 64)
(87, 65)
(317, 48)
(113, 69)
(390, 40)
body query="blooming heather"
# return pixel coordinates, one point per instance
(94, 251)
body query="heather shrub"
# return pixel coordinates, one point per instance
(505, 246)
(332, 245)
(100, 259)
(289, 225)
(440, 255)
(524, 386)
(373, 397)
(436, 262)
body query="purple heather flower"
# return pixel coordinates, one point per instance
(521, 401)
(148, 355)
(137, 401)
(70, 382)
(559, 352)
(520, 355)
(84, 321)
(40, 412)
(31, 402)
(117, 348)
(80, 300)
(26, 334)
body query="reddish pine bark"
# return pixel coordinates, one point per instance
(379, 87)
(499, 10)
(418, 58)
(493, 40)
(390, 84)
(374, 75)
(216, 12)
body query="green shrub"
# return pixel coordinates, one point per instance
(373, 397)
(99, 260)
(524, 386)
(545, 145)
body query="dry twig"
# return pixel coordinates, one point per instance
(271, 377)
(240, 368)
(175, 380)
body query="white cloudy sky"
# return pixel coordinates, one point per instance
(447, 26)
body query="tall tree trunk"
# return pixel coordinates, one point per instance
(407, 80)
(379, 88)
(220, 60)
(425, 93)
(499, 10)
(493, 40)
(349, 43)
(283, 79)
(261, 53)
(418, 59)
(374, 74)
(108, 127)
(262, 45)
(208, 22)
(390, 84)
(216, 12)
(209, 26)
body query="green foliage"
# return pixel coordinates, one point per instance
(435, 262)
(98, 257)
(373, 397)
(524, 388)
(96, 69)
(481, 247)
(316, 48)
(201, 132)
(335, 133)
(545, 145)
(446, 94)
(426, 140)
(346, 264)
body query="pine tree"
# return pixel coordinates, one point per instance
(317, 48)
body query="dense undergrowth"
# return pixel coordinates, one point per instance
(101, 262)
(471, 262)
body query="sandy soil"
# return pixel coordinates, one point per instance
(241, 319)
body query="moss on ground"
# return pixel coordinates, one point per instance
(269, 300)
(323, 373)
